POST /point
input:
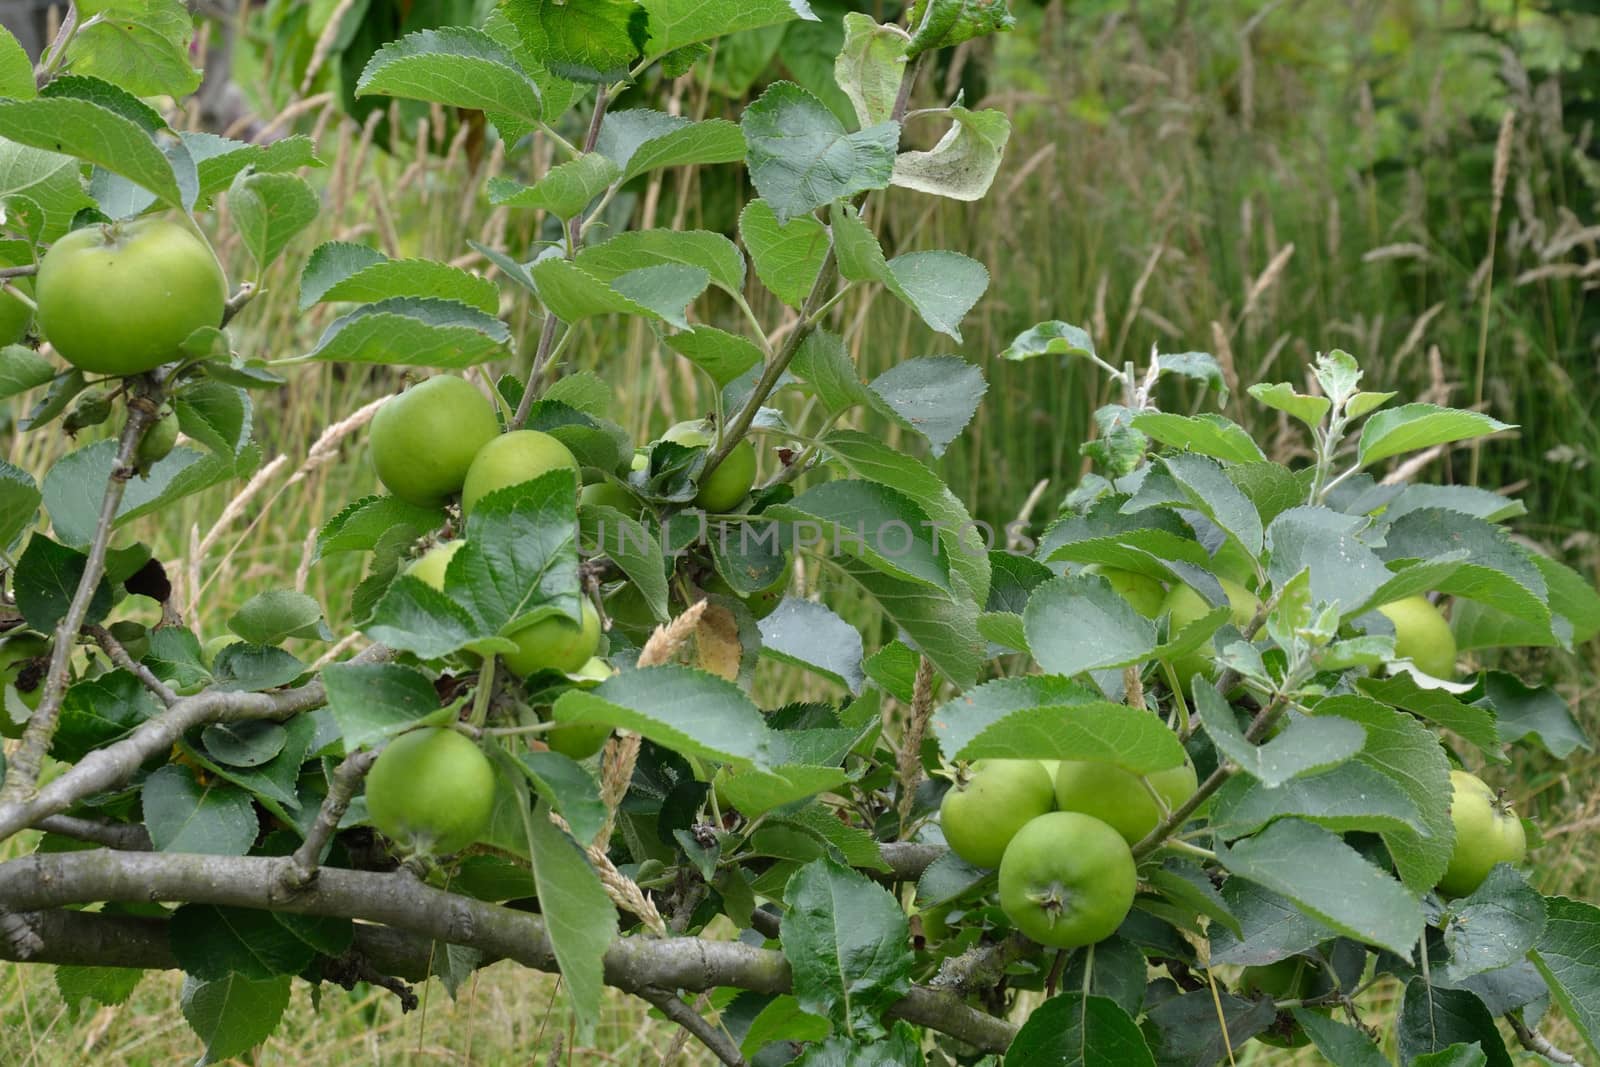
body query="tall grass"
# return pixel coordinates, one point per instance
(1257, 182)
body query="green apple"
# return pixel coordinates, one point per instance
(511, 459)
(1183, 606)
(1143, 592)
(1067, 880)
(555, 642)
(734, 476)
(1487, 832)
(424, 441)
(120, 298)
(1118, 797)
(431, 791)
(1422, 635)
(432, 564)
(990, 801)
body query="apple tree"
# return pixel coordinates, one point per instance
(1188, 767)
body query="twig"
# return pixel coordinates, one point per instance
(983, 965)
(346, 780)
(130, 837)
(909, 766)
(245, 293)
(1534, 1041)
(108, 768)
(119, 656)
(712, 1037)
(425, 915)
(8, 273)
(23, 766)
(547, 340)
(353, 967)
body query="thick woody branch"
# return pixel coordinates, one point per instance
(107, 768)
(399, 901)
(23, 765)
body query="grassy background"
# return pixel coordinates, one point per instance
(1261, 182)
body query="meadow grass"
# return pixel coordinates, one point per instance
(1261, 188)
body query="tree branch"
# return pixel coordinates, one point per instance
(22, 771)
(346, 779)
(1534, 1041)
(107, 768)
(712, 1037)
(119, 656)
(129, 837)
(49, 880)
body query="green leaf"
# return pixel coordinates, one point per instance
(339, 272)
(665, 291)
(809, 635)
(959, 721)
(943, 625)
(690, 711)
(1199, 366)
(1522, 711)
(1433, 1018)
(212, 943)
(46, 580)
(1495, 926)
(695, 144)
(249, 743)
(677, 23)
(73, 488)
(1071, 1030)
(1080, 623)
(246, 668)
(584, 40)
(218, 160)
(933, 395)
(867, 521)
(579, 917)
(19, 503)
(1189, 1028)
(96, 135)
(1210, 435)
(1343, 569)
(848, 945)
(362, 525)
(1330, 881)
(106, 986)
(631, 547)
(16, 78)
(1093, 731)
(40, 191)
(273, 617)
(1341, 1044)
(268, 210)
(568, 789)
(216, 414)
(945, 23)
(1568, 956)
(788, 256)
(572, 293)
(1350, 796)
(22, 369)
(182, 815)
(781, 1019)
(1280, 396)
(1305, 745)
(724, 356)
(1201, 483)
(1473, 724)
(1054, 338)
(629, 251)
(141, 45)
(1271, 928)
(412, 332)
(1408, 753)
(99, 711)
(1412, 427)
(459, 67)
(870, 66)
(233, 1014)
(375, 701)
(941, 287)
(823, 364)
(800, 156)
(963, 164)
(564, 191)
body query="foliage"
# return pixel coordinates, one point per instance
(226, 783)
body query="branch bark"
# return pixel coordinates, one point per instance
(712, 1037)
(107, 768)
(22, 771)
(423, 914)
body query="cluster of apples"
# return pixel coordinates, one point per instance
(1060, 833)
